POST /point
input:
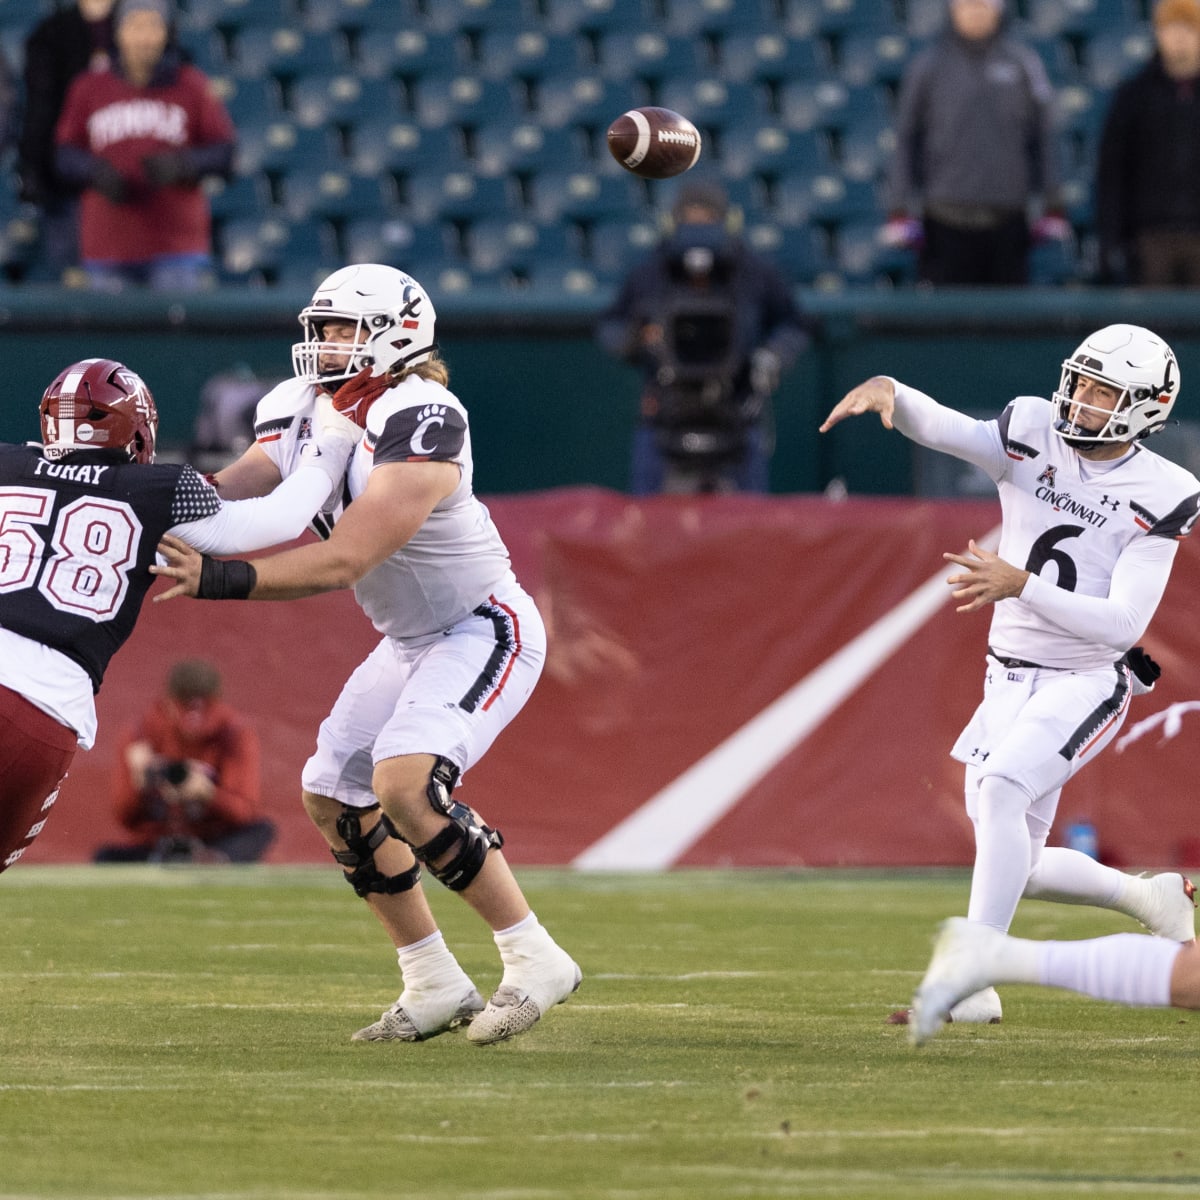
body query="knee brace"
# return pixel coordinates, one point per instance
(358, 859)
(469, 837)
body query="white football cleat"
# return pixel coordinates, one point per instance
(413, 1018)
(983, 1008)
(1170, 910)
(957, 970)
(523, 999)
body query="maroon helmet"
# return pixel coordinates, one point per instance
(99, 404)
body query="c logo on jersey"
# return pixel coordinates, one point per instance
(1047, 476)
(431, 417)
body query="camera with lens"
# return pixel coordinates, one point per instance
(174, 772)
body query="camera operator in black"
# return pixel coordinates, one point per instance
(712, 325)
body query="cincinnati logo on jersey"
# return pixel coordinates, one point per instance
(1065, 502)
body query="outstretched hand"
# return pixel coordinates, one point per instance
(877, 395)
(182, 563)
(988, 578)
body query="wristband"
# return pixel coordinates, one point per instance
(225, 579)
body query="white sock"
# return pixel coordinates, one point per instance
(428, 964)
(1130, 968)
(1002, 854)
(1070, 877)
(525, 940)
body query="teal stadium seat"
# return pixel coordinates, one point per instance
(321, 99)
(463, 98)
(251, 103)
(282, 51)
(383, 142)
(924, 19)
(835, 17)
(714, 104)
(616, 244)
(801, 252)
(805, 106)
(499, 246)
(397, 242)
(282, 145)
(526, 148)
(476, 16)
(322, 16)
(203, 15)
(329, 191)
(825, 197)
(761, 147)
(871, 57)
(583, 195)
(861, 258)
(770, 56)
(244, 195)
(571, 98)
(408, 53)
(429, 195)
(528, 54)
(597, 16)
(712, 18)
(1113, 55)
(265, 250)
(1057, 18)
(646, 54)
(865, 146)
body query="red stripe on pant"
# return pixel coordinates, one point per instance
(35, 753)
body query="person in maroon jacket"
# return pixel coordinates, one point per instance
(187, 784)
(139, 138)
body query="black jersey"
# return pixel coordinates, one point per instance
(77, 538)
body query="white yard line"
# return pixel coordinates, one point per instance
(661, 831)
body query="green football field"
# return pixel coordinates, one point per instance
(185, 1033)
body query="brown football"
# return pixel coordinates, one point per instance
(654, 143)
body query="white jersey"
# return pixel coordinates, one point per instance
(1099, 538)
(454, 561)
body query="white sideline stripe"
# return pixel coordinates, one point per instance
(657, 834)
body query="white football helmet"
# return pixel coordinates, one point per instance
(393, 316)
(1134, 361)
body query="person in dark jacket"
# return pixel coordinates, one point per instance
(712, 325)
(974, 181)
(1148, 174)
(65, 44)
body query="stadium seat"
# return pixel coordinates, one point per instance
(319, 98)
(806, 106)
(397, 144)
(583, 195)
(323, 16)
(397, 242)
(759, 146)
(315, 191)
(496, 245)
(548, 278)
(700, 18)
(257, 51)
(242, 196)
(771, 56)
(1112, 56)
(801, 252)
(746, 195)
(209, 14)
(828, 198)
(865, 147)
(713, 104)
(597, 16)
(1055, 18)
(571, 98)
(862, 259)
(261, 250)
(629, 54)
(249, 102)
(924, 19)
(460, 98)
(1057, 55)
(528, 54)
(456, 195)
(614, 246)
(408, 53)
(281, 146)
(477, 15)
(527, 147)
(867, 58)
(806, 17)
(202, 48)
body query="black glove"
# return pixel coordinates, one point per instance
(1143, 666)
(169, 168)
(109, 182)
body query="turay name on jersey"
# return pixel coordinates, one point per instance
(92, 473)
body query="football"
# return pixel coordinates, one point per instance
(654, 143)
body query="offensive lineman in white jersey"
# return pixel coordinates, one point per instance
(462, 648)
(1091, 523)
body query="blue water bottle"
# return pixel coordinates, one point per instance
(1082, 836)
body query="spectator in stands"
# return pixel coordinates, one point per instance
(61, 46)
(975, 153)
(139, 138)
(186, 784)
(711, 325)
(1148, 177)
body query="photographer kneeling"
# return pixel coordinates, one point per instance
(186, 784)
(712, 326)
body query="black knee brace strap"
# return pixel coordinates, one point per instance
(471, 836)
(358, 858)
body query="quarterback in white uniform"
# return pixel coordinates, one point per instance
(462, 648)
(1091, 523)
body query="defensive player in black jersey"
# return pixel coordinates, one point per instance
(80, 517)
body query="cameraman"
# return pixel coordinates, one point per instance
(187, 782)
(712, 325)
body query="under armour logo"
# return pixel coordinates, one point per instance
(1113, 504)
